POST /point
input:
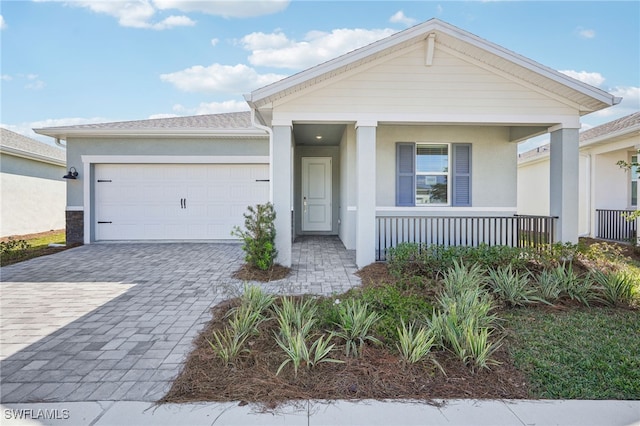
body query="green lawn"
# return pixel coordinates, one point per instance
(581, 353)
(37, 246)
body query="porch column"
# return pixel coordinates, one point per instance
(564, 180)
(281, 191)
(365, 193)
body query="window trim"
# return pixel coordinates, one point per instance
(460, 175)
(447, 174)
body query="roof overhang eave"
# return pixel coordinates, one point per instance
(32, 156)
(64, 133)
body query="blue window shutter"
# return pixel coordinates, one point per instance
(405, 174)
(461, 174)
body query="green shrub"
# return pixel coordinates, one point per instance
(433, 260)
(13, 248)
(258, 236)
(393, 306)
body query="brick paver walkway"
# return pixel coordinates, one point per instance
(115, 321)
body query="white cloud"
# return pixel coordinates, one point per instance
(134, 14)
(225, 8)
(219, 78)
(592, 78)
(400, 18)
(585, 33)
(205, 108)
(154, 116)
(439, 9)
(277, 50)
(26, 128)
(35, 85)
(215, 41)
(6, 77)
(220, 107)
(630, 95)
(3, 23)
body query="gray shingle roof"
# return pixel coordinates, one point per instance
(30, 147)
(612, 127)
(232, 120)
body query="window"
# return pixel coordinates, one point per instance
(433, 174)
(634, 181)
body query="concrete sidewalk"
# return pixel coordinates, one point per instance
(312, 413)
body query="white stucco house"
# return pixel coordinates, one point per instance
(606, 192)
(411, 137)
(32, 191)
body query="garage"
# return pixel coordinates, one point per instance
(174, 201)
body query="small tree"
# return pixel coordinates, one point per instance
(259, 236)
(629, 166)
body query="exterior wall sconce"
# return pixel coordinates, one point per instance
(73, 174)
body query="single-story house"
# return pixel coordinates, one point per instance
(32, 190)
(411, 137)
(606, 191)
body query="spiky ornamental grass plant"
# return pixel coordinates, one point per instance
(414, 343)
(228, 344)
(548, 286)
(573, 286)
(296, 320)
(512, 287)
(465, 321)
(354, 322)
(256, 299)
(618, 288)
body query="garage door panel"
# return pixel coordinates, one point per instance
(147, 201)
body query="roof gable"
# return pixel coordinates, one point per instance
(453, 40)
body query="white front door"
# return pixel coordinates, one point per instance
(316, 193)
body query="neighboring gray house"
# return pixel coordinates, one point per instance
(32, 191)
(606, 192)
(411, 137)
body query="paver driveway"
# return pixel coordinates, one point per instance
(116, 321)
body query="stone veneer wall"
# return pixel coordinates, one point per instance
(75, 227)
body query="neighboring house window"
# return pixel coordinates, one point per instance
(433, 174)
(634, 182)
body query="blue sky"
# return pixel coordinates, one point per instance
(76, 62)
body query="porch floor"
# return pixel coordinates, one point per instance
(321, 265)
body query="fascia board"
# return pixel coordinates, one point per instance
(64, 133)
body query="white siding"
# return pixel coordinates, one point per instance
(31, 204)
(401, 83)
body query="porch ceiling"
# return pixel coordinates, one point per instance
(318, 134)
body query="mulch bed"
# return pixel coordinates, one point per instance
(250, 273)
(378, 374)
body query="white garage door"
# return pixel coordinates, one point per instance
(175, 201)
